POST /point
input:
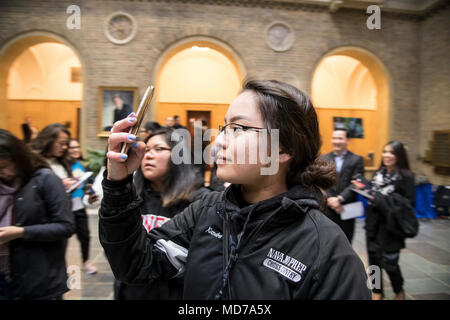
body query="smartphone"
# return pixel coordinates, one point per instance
(143, 106)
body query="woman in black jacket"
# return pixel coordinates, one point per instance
(166, 189)
(35, 223)
(392, 179)
(264, 237)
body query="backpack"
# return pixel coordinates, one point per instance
(401, 219)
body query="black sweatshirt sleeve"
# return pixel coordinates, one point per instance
(347, 194)
(135, 256)
(60, 221)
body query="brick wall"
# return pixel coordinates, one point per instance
(161, 23)
(434, 103)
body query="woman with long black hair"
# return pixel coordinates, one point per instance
(264, 236)
(165, 189)
(393, 179)
(52, 143)
(35, 223)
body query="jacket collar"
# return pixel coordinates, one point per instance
(297, 197)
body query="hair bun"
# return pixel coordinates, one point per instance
(319, 174)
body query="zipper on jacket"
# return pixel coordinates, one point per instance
(258, 230)
(226, 235)
(226, 261)
(233, 256)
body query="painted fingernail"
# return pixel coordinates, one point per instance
(124, 156)
(131, 114)
(135, 145)
(131, 137)
(131, 119)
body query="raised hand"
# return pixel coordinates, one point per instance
(122, 165)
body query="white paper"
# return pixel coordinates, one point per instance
(81, 179)
(352, 210)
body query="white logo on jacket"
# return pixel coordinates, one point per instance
(214, 233)
(285, 265)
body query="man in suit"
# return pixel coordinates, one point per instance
(348, 166)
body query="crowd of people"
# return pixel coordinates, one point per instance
(242, 235)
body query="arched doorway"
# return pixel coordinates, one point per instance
(197, 78)
(350, 87)
(40, 78)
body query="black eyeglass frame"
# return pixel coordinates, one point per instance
(147, 149)
(245, 128)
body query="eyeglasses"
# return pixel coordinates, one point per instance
(157, 149)
(236, 129)
(62, 143)
(76, 147)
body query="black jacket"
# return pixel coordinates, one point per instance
(353, 165)
(153, 214)
(287, 249)
(152, 203)
(380, 234)
(38, 259)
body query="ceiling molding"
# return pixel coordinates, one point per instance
(401, 7)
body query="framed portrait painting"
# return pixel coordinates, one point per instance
(114, 103)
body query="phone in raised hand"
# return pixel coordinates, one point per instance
(143, 106)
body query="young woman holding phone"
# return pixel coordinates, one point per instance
(263, 237)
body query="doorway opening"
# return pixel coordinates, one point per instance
(43, 85)
(350, 85)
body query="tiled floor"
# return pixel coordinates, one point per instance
(425, 264)
(89, 287)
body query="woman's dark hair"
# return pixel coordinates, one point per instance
(399, 151)
(152, 125)
(25, 160)
(181, 181)
(43, 143)
(288, 109)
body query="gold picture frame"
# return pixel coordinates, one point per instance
(108, 112)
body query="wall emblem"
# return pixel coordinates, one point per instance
(120, 28)
(279, 36)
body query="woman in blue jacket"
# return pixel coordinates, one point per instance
(35, 223)
(74, 158)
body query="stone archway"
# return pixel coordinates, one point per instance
(12, 50)
(376, 119)
(164, 106)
